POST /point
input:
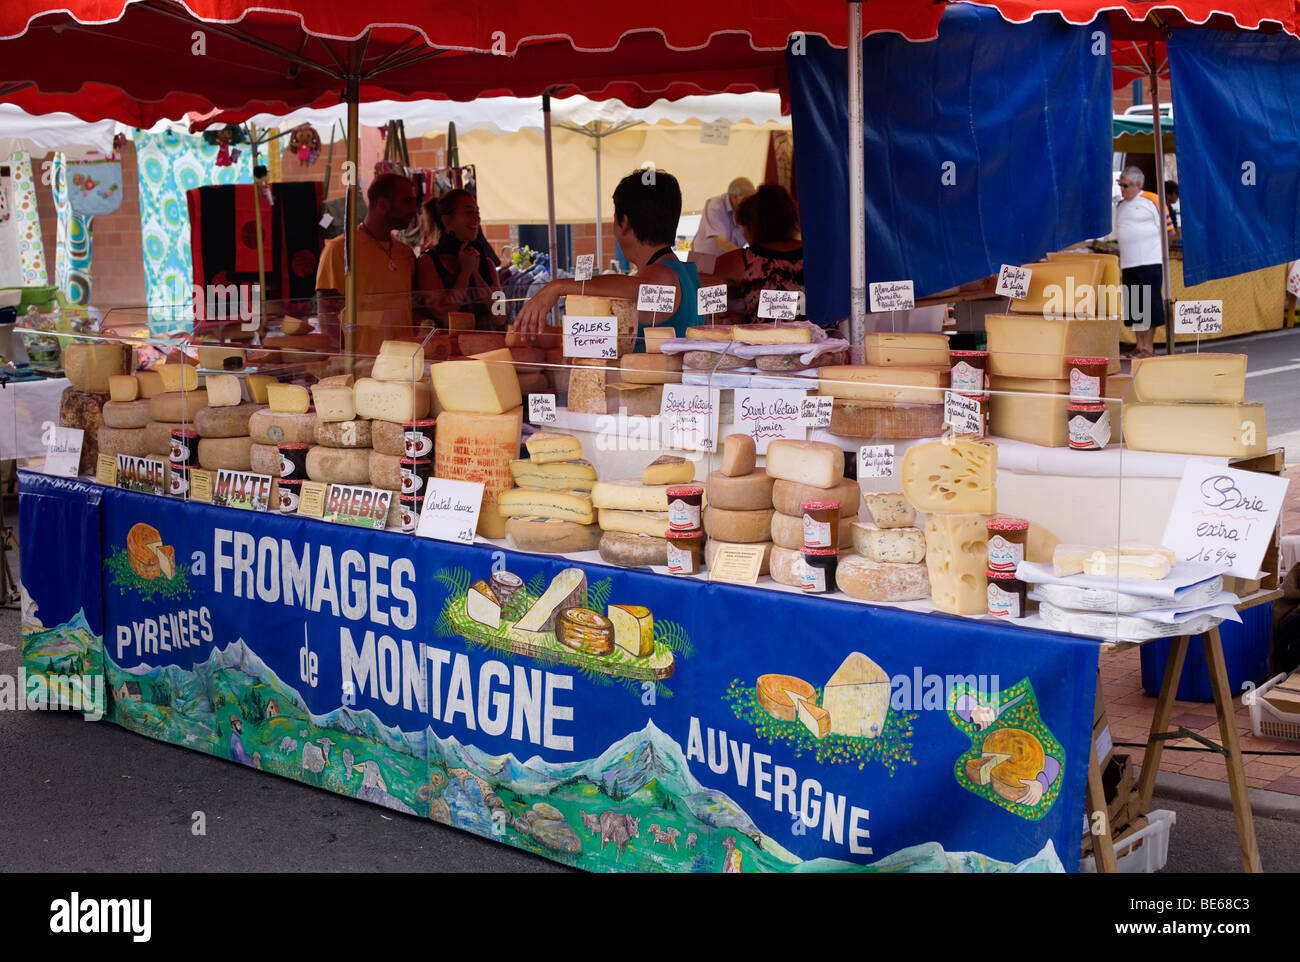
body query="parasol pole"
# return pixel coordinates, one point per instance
(550, 184)
(353, 95)
(257, 224)
(857, 191)
(1167, 290)
(600, 238)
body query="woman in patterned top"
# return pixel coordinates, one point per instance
(774, 257)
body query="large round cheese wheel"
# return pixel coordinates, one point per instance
(774, 691)
(175, 407)
(748, 492)
(84, 410)
(389, 437)
(339, 465)
(786, 566)
(264, 459)
(274, 427)
(868, 580)
(788, 497)
(343, 434)
(234, 454)
(711, 361)
(553, 537)
(385, 472)
(115, 441)
(787, 531)
(126, 414)
(712, 547)
(140, 554)
(633, 550)
(159, 438)
(226, 422)
(740, 527)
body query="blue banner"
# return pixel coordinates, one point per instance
(990, 145)
(611, 719)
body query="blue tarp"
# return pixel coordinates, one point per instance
(989, 145)
(1239, 172)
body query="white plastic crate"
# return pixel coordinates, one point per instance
(1151, 855)
(1267, 721)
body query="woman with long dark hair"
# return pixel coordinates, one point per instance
(455, 272)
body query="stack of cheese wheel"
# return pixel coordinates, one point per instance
(779, 335)
(224, 439)
(888, 553)
(804, 471)
(738, 486)
(390, 428)
(289, 420)
(954, 482)
(479, 427)
(176, 403)
(1194, 404)
(125, 417)
(550, 508)
(89, 367)
(633, 513)
(595, 385)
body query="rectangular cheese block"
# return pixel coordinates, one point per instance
(864, 382)
(651, 368)
(151, 384)
(398, 361)
(1061, 289)
(485, 384)
(545, 447)
(1199, 378)
(653, 524)
(1067, 559)
(123, 387)
(1148, 567)
(554, 475)
(738, 455)
(709, 332)
(668, 469)
(630, 495)
(957, 476)
(1040, 347)
(1137, 547)
(1041, 419)
(89, 366)
(1213, 430)
(1109, 298)
(634, 629)
(805, 462)
(637, 400)
(655, 336)
(479, 447)
(223, 390)
(585, 305)
(288, 398)
(333, 403)
(572, 506)
(257, 387)
(907, 350)
(587, 380)
(337, 380)
(957, 557)
(391, 400)
(889, 509)
(777, 333)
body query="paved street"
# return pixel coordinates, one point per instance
(1273, 379)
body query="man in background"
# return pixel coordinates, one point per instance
(719, 230)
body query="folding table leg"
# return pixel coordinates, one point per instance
(1160, 720)
(1103, 845)
(1232, 751)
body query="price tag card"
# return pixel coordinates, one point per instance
(1224, 517)
(63, 450)
(738, 564)
(963, 413)
(711, 300)
(1013, 281)
(779, 305)
(106, 470)
(716, 132)
(590, 337)
(360, 507)
(657, 298)
(688, 417)
(768, 415)
(311, 499)
(891, 296)
(585, 264)
(200, 485)
(541, 408)
(876, 461)
(146, 475)
(816, 411)
(1198, 317)
(1293, 280)
(242, 489)
(451, 510)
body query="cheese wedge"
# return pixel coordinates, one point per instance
(651, 523)
(1198, 378)
(178, 377)
(630, 495)
(956, 476)
(257, 387)
(482, 605)
(223, 390)
(288, 398)
(1213, 430)
(484, 384)
(555, 475)
(572, 506)
(668, 469)
(1061, 288)
(544, 447)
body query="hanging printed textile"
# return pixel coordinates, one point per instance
(94, 186)
(72, 259)
(22, 256)
(170, 164)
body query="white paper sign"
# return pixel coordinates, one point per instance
(770, 415)
(963, 413)
(711, 300)
(541, 408)
(657, 298)
(778, 305)
(876, 461)
(1224, 517)
(62, 450)
(585, 265)
(688, 417)
(1013, 281)
(891, 296)
(1198, 317)
(590, 336)
(816, 411)
(450, 510)
(717, 132)
(1293, 279)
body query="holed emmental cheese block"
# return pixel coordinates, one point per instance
(483, 384)
(479, 447)
(1195, 378)
(957, 475)
(398, 361)
(956, 554)
(89, 366)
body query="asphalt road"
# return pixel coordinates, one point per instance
(1272, 379)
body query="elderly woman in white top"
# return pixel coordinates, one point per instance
(1138, 224)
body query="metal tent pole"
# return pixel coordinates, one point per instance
(350, 243)
(257, 225)
(857, 191)
(550, 185)
(1167, 291)
(600, 237)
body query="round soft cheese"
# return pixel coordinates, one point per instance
(115, 441)
(633, 550)
(230, 421)
(868, 580)
(748, 492)
(553, 537)
(738, 527)
(343, 434)
(176, 407)
(385, 472)
(234, 454)
(787, 531)
(126, 414)
(339, 465)
(788, 497)
(275, 427)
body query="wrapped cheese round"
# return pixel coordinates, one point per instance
(83, 409)
(234, 454)
(633, 550)
(868, 580)
(385, 471)
(748, 492)
(176, 407)
(788, 497)
(230, 421)
(126, 414)
(343, 434)
(274, 427)
(115, 441)
(339, 465)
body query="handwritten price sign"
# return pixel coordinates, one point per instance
(688, 417)
(778, 305)
(891, 296)
(1224, 517)
(590, 337)
(769, 416)
(657, 298)
(582, 270)
(711, 300)
(876, 461)
(1198, 317)
(1013, 282)
(451, 510)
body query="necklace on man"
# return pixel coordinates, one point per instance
(388, 252)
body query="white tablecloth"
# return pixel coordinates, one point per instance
(24, 407)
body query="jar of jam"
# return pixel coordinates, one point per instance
(184, 448)
(417, 437)
(290, 496)
(685, 552)
(968, 369)
(1007, 539)
(1089, 426)
(821, 524)
(684, 501)
(819, 567)
(1007, 595)
(1088, 379)
(293, 461)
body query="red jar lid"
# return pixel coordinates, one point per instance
(289, 482)
(821, 506)
(185, 432)
(416, 461)
(685, 535)
(411, 498)
(821, 552)
(1008, 524)
(981, 398)
(968, 353)
(1000, 575)
(294, 447)
(1090, 360)
(1086, 408)
(685, 490)
(426, 423)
